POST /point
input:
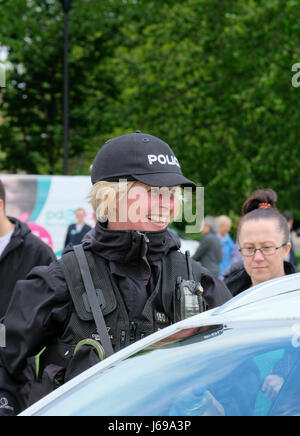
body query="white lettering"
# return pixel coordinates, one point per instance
(152, 158)
(295, 82)
(190, 217)
(4, 404)
(296, 335)
(2, 336)
(176, 161)
(163, 159)
(2, 76)
(125, 426)
(170, 162)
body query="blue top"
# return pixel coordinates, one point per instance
(227, 251)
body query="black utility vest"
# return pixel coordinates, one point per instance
(121, 329)
(59, 362)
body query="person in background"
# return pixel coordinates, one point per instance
(224, 226)
(21, 196)
(209, 253)
(76, 232)
(291, 257)
(263, 237)
(20, 251)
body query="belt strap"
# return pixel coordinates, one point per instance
(93, 300)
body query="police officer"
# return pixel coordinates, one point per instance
(134, 264)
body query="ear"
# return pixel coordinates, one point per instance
(1, 205)
(288, 248)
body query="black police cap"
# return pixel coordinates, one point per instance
(138, 156)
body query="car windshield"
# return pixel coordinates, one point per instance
(213, 370)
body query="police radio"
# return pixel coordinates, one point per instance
(189, 300)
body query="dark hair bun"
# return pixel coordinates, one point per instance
(263, 198)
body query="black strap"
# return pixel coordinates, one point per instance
(189, 265)
(93, 300)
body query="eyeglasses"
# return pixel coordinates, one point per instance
(265, 251)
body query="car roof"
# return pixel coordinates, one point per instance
(266, 292)
(275, 300)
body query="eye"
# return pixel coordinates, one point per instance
(248, 250)
(267, 249)
(154, 190)
(172, 191)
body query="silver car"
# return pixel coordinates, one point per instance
(238, 360)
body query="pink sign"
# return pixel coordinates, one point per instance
(41, 233)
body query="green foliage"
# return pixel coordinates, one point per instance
(211, 78)
(32, 133)
(298, 258)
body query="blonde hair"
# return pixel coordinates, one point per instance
(105, 195)
(224, 220)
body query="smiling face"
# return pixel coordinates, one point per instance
(261, 233)
(145, 208)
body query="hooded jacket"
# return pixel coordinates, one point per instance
(134, 260)
(23, 252)
(42, 305)
(237, 280)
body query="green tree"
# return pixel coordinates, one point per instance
(32, 133)
(211, 78)
(214, 79)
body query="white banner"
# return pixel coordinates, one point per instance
(47, 204)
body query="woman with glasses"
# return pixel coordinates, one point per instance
(263, 238)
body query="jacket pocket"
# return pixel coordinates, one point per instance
(51, 378)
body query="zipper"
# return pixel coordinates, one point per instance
(132, 329)
(144, 236)
(123, 337)
(147, 240)
(144, 249)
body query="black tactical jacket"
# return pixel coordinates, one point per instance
(42, 306)
(23, 252)
(237, 280)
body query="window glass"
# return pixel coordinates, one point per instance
(217, 370)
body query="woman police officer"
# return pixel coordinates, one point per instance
(130, 251)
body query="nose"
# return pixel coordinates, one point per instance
(162, 197)
(258, 256)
